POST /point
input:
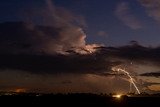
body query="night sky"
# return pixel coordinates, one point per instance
(112, 23)
(72, 45)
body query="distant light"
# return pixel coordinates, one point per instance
(118, 96)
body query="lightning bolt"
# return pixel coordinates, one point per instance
(127, 73)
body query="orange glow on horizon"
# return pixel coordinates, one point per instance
(154, 87)
(19, 90)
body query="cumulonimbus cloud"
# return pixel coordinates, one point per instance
(100, 62)
(60, 30)
(39, 48)
(124, 14)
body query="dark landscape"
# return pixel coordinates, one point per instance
(79, 99)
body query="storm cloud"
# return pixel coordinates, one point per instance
(151, 74)
(46, 49)
(20, 37)
(134, 52)
(22, 48)
(49, 28)
(54, 64)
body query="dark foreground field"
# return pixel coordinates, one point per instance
(75, 100)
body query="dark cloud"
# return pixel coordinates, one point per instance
(20, 37)
(151, 74)
(47, 47)
(60, 30)
(41, 49)
(133, 52)
(38, 49)
(55, 64)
